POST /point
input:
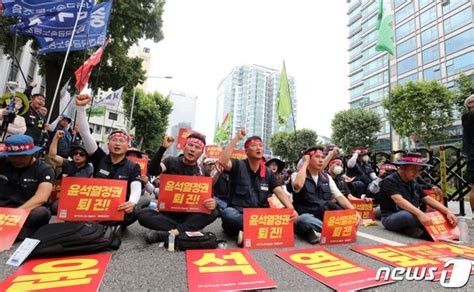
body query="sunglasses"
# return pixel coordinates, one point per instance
(82, 154)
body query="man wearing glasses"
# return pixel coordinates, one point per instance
(400, 198)
(114, 165)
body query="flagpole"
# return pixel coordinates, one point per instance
(390, 103)
(64, 63)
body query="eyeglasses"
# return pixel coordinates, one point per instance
(82, 154)
(118, 141)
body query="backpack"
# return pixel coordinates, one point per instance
(74, 238)
(207, 241)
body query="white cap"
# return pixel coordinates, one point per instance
(468, 100)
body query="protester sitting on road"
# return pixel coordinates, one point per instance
(276, 166)
(113, 165)
(401, 195)
(335, 170)
(468, 144)
(221, 188)
(66, 138)
(358, 166)
(252, 183)
(147, 187)
(165, 223)
(315, 192)
(12, 120)
(25, 182)
(35, 122)
(210, 165)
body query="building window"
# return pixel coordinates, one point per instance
(369, 53)
(377, 95)
(371, 37)
(458, 20)
(453, 4)
(428, 16)
(356, 64)
(423, 3)
(430, 54)
(413, 77)
(405, 29)
(406, 47)
(460, 41)
(376, 80)
(98, 129)
(146, 50)
(355, 38)
(399, 2)
(407, 64)
(113, 116)
(369, 24)
(356, 51)
(459, 64)
(429, 35)
(404, 13)
(432, 73)
(375, 65)
(356, 92)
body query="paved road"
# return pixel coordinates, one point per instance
(138, 266)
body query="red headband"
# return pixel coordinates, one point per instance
(247, 144)
(334, 161)
(20, 147)
(312, 152)
(119, 135)
(195, 141)
(412, 159)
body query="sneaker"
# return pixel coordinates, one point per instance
(313, 237)
(240, 238)
(153, 236)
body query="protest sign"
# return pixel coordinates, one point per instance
(365, 208)
(11, 222)
(239, 154)
(339, 227)
(440, 228)
(142, 162)
(213, 151)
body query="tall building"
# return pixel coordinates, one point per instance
(249, 92)
(434, 41)
(183, 115)
(143, 51)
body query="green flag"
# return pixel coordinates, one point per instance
(96, 111)
(385, 28)
(223, 132)
(283, 98)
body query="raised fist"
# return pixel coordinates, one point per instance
(241, 134)
(82, 99)
(59, 134)
(168, 141)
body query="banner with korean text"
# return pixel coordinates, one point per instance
(84, 199)
(268, 228)
(332, 270)
(67, 274)
(365, 208)
(225, 269)
(184, 193)
(213, 151)
(440, 228)
(142, 162)
(239, 154)
(11, 222)
(339, 227)
(183, 135)
(55, 192)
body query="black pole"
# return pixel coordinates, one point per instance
(390, 104)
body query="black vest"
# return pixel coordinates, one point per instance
(121, 171)
(361, 172)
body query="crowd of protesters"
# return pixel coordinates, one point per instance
(34, 154)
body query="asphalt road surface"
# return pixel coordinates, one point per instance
(138, 266)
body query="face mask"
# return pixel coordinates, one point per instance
(366, 158)
(337, 170)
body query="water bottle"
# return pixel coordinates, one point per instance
(153, 205)
(463, 230)
(171, 242)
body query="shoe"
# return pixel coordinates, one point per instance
(240, 238)
(415, 232)
(313, 237)
(153, 236)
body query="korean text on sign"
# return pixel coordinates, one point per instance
(11, 222)
(85, 199)
(365, 208)
(339, 227)
(268, 228)
(183, 193)
(213, 151)
(440, 228)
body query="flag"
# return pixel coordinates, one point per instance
(223, 132)
(84, 72)
(112, 100)
(385, 28)
(29, 8)
(66, 103)
(283, 98)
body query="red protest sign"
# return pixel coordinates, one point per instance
(268, 228)
(239, 155)
(438, 196)
(142, 162)
(339, 227)
(459, 250)
(11, 222)
(84, 199)
(441, 229)
(425, 250)
(390, 255)
(213, 151)
(55, 192)
(365, 208)
(183, 135)
(225, 269)
(332, 270)
(68, 274)
(184, 193)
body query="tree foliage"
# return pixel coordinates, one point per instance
(355, 128)
(421, 109)
(130, 21)
(288, 146)
(464, 88)
(150, 117)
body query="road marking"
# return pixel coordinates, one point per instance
(379, 239)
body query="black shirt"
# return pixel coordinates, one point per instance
(468, 134)
(34, 125)
(393, 184)
(22, 182)
(175, 165)
(69, 168)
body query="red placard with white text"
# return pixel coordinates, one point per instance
(268, 228)
(339, 227)
(11, 222)
(332, 270)
(68, 274)
(183, 135)
(86, 199)
(239, 154)
(213, 151)
(184, 193)
(440, 229)
(225, 269)
(142, 162)
(365, 208)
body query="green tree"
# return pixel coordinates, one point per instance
(421, 109)
(150, 118)
(355, 128)
(464, 88)
(288, 146)
(130, 21)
